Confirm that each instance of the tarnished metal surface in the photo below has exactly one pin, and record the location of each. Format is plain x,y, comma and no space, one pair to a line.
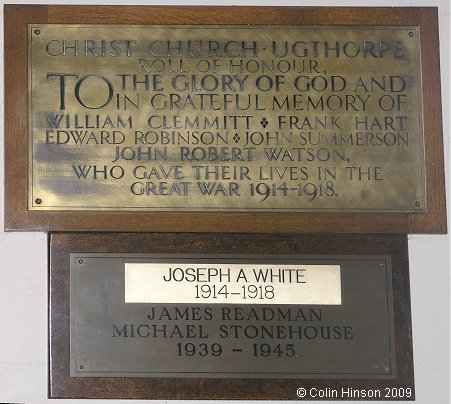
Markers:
353,339
225,118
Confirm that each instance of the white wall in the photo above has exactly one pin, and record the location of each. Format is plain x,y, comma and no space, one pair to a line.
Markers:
23,268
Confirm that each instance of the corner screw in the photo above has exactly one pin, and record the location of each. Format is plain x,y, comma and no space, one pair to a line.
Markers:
417,204
411,34
37,31
80,261
38,201
387,369
82,367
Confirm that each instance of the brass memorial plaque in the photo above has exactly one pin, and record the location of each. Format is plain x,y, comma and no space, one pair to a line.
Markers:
225,118
238,316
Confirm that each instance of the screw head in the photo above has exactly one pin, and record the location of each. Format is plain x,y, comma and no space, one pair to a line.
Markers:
38,201
37,31
410,34
417,204
80,261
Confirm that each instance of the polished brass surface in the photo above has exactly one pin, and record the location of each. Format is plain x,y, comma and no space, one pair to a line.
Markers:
225,118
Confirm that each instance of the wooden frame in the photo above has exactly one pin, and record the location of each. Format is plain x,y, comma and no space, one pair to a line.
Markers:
62,244
18,217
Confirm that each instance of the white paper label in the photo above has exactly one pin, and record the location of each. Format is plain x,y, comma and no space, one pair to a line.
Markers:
232,283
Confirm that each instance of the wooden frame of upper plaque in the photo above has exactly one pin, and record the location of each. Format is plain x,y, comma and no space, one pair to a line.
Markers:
297,195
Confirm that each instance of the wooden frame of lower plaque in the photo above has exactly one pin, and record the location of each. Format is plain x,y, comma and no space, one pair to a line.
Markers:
70,379
425,216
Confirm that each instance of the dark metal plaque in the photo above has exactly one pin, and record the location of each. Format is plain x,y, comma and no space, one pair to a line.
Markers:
350,337
225,118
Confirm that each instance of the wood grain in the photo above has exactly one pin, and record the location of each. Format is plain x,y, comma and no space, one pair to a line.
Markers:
18,217
16,116
61,244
